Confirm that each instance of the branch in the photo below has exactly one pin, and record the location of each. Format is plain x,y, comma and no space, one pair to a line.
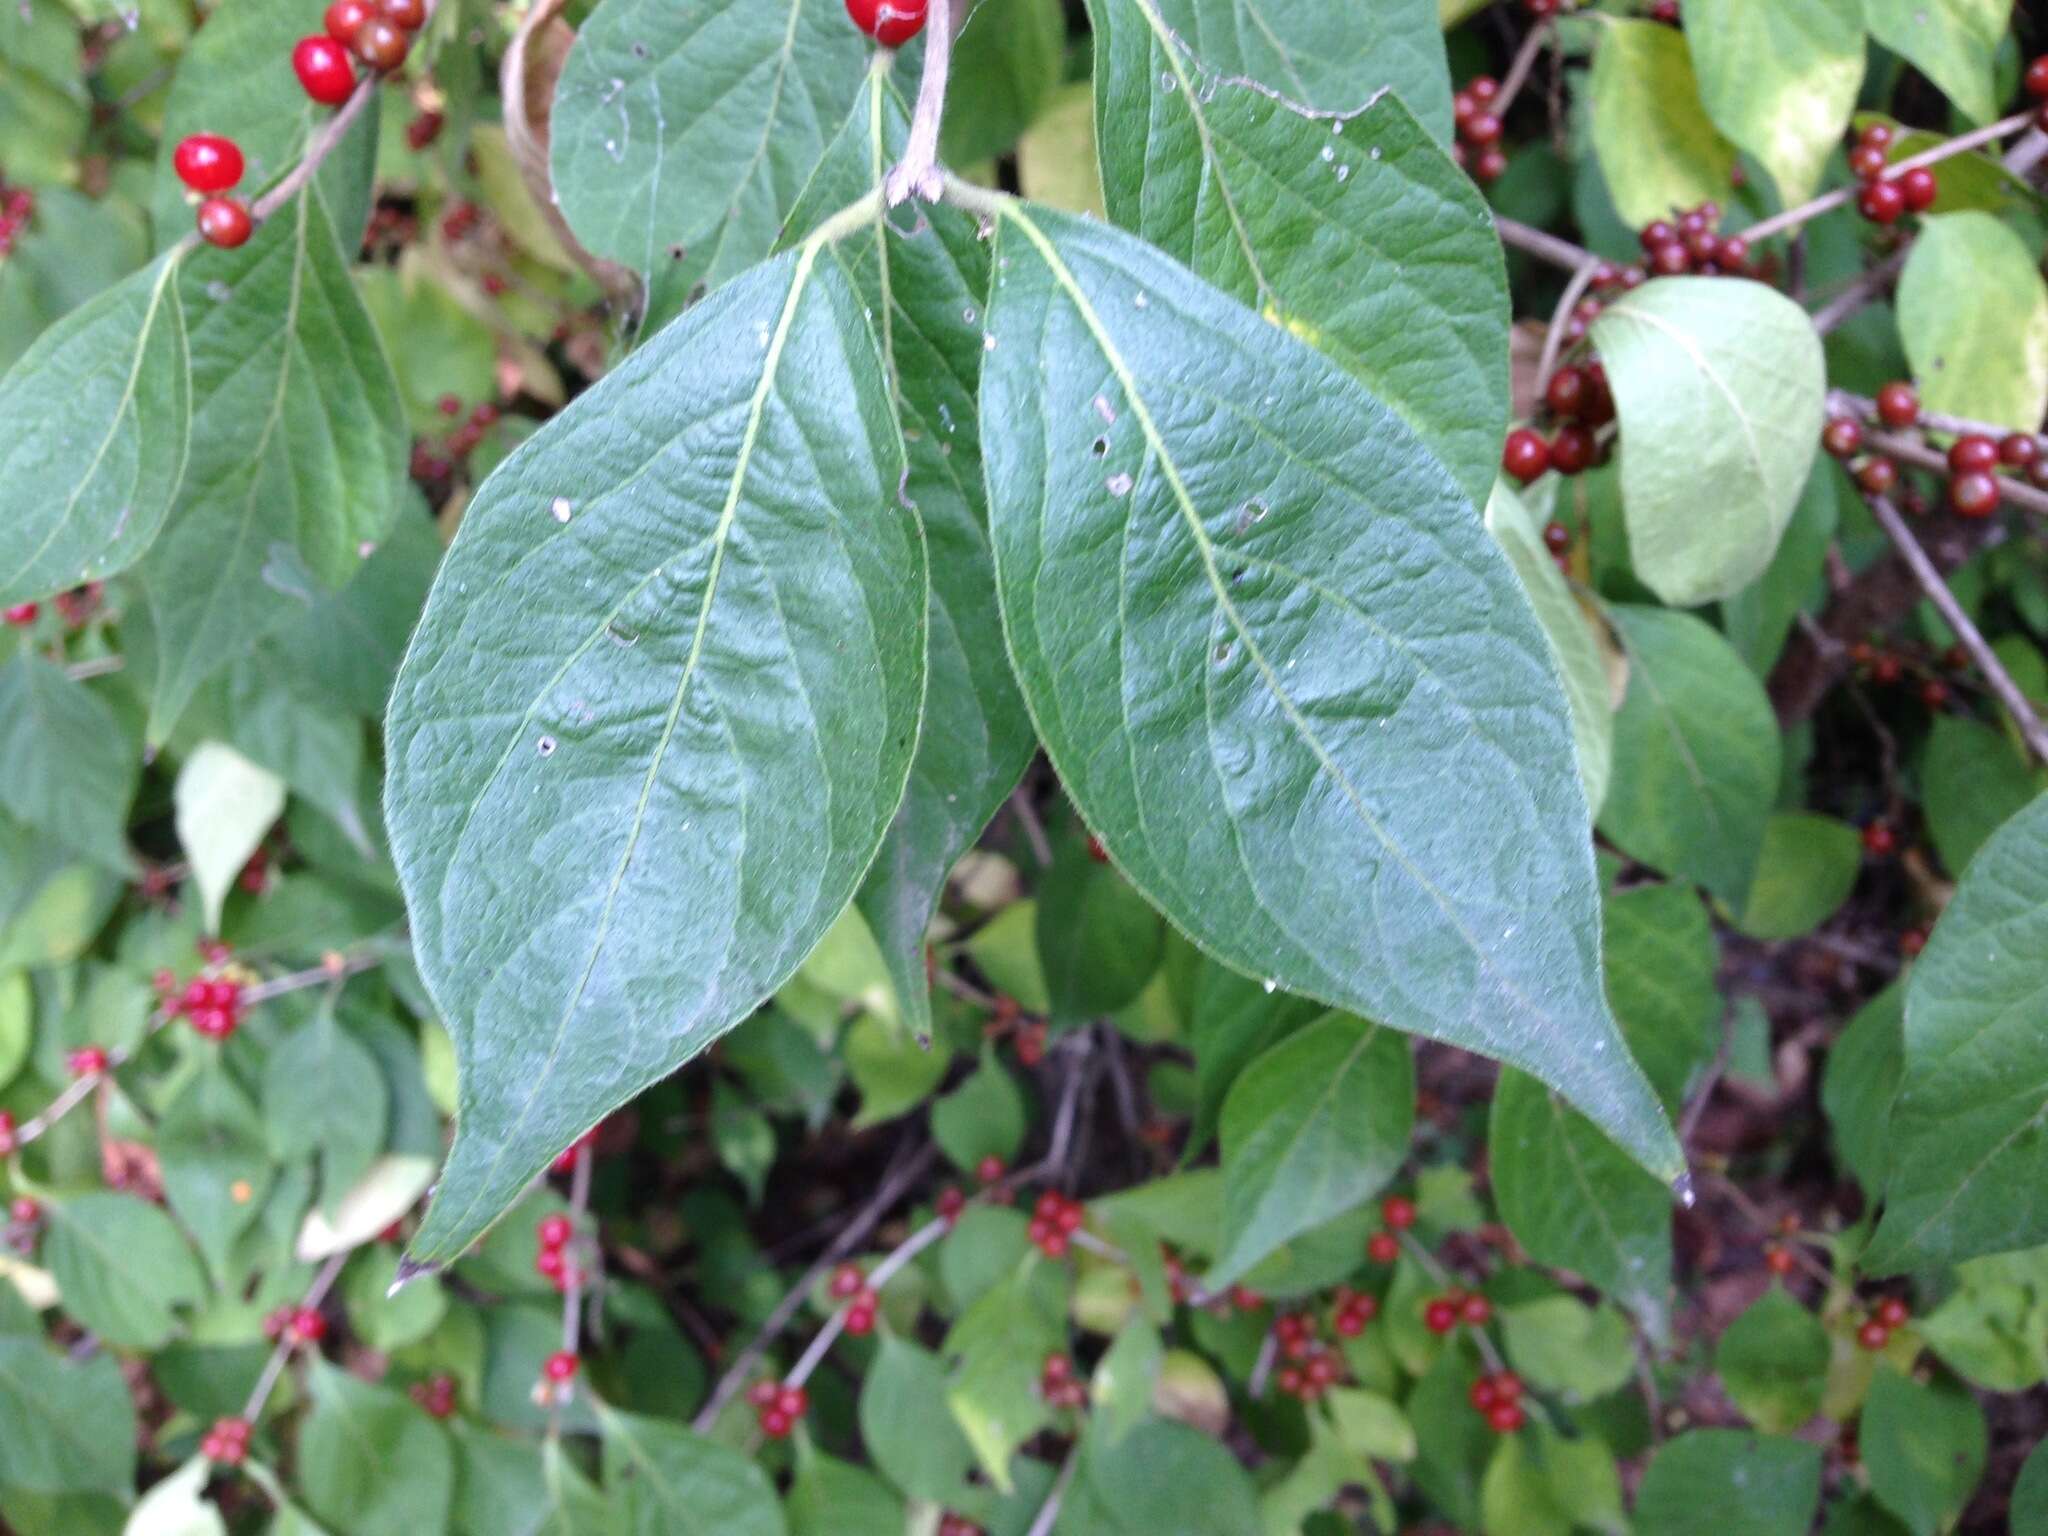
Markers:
1995,676
273,1368
1049,1511
917,174
1519,70
1839,310
1543,245
1553,339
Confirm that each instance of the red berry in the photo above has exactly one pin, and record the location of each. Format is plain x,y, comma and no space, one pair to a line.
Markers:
1881,202
776,1424
1919,187
1873,1335
1656,235
892,23
1483,89
224,222
1879,134
1525,455
1571,451
1441,1315
87,1061
1893,1312
2019,450
1972,453
382,44
1556,537
566,1160
762,1394
1912,941
306,1326
1974,495
1842,437
423,130
1054,1244
1481,1394
227,1442
1731,254
1481,128
1566,392
794,1401
1898,405
1877,476
1887,669
409,15
1491,165
550,1264
1867,161
1879,839
1383,1248
950,1203
847,1281
554,1231
989,1169
1778,1259
1671,259
560,1366
25,1211
2036,78
324,70
345,19
1505,1418
860,1317
1507,1386
1464,107
207,162
9,1139
1476,1311
20,615
1398,1212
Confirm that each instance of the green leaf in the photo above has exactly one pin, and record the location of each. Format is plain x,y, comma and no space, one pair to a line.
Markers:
1924,1447
1696,754
1232,1019
976,737
1862,1080
907,1427
720,634
894,1073
1305,645
323,1094
1561,1345
1098,940
1569,629
66,1426
1656,145
743,1139
1056,160
98,413
1774,1362
1952,42
1331,58
383,1318
67,767
225,805
834,1498
215,1160
1165,1476
1804,872
983,1117
1007,62
1986,1331
124,1270
1719,384
1973,779
1757,619
1973,315
1780,77
1313,1128
1575,1202
1354,231
681,134
1000,1344
2030,1493
1969,1134
1663,965
675,1483
1725,1482
17,1022
346,646
177,1506
298,448
370,1463
1125,1379
1541,1484
1453,1443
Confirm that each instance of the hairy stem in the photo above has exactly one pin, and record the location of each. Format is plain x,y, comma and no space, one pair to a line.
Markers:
917,174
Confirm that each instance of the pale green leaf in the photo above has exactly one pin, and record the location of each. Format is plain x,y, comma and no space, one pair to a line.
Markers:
178,1506
983,1117
1719,384
225,804
1780,77
1657,148
1773,1360
125,1272
1559,1344
1952,42
1973,315
1804,872
1333,702
623,833
1725,1482
1056,159
1121,1390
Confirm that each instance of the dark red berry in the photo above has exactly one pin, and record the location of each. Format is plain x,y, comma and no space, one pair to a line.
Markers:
1475,1311
1671,259
1972,453
2019,450
1481,128
1912,941
345,18
892,23
423,130
1556,537
860,1317
224,222
1398,1212
1778,1259
324,70
560,1366
1934,693
1879,839
207,162
1525,455
1483,89
1887,669
2036,78
1879,134
1867,161
1898,405
1571,450
382,44
20,615
776,1424
1877,476
1490,165
1873,1335
1383,1248
1566,391
1731,254
410,15
10,1139
1881,202
306,1326
989,1169
87,1061
1919,187
1893,1312
1505,1418
1656,235
1974,495
1842,437
1441,1315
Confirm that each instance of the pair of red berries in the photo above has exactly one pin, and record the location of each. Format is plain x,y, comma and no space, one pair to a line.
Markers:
1498,1398
850,1285
379,32
209,164
892,23
1527,456
551,1261
1479,130
1886,1318
1445,1312
1058,1384
436,1395
297,1326
1318,1371
227,1442
1054,1221
778,1407
1883,197
1354,1309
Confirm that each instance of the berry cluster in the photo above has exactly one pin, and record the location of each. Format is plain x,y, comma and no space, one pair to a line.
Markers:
1058,1384
436,1395
1579,400
777,1407
892,23
1498,1397
1886,1318
24,1221
551,1260
1054,1221
1692,243
210,165
379,32
298,1327
1975,459
433,463
1353,1310
1478,149
1312,1367
213,1003
1397,1211
1441,1314
227,1442
17,207
850,1285
1884,197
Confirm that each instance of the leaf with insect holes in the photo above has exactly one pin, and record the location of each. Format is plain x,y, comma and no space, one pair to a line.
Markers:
682,134
657,718
1283,670
925,292
1353,230
98,413
1968,1142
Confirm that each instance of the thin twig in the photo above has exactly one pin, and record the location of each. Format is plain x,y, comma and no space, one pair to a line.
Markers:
1049,1511
879,1276
1841,403
1696,1106
579,1208
1518,70
1543,245
1413,1247
917,174
1995,676
97,666
1034,829
1553,339
338,967
273,1368
1839,310
2012,491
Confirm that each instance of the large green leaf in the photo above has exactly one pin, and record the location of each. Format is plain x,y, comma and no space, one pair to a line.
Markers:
1657,148
66,1426
1354,231
1724,1482
123,1269
1774,1362
97,415
1283,670
1924,1446
1719,384
1779,77
369,1462
1327,57
1952,42
1969,1133
1164,1476
1575,1202
681,134
1973,314
1313,1128
631,784
675,1483
908,1429
1973,779
298,448
1861,1082
67,768
1569,628
1696,754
